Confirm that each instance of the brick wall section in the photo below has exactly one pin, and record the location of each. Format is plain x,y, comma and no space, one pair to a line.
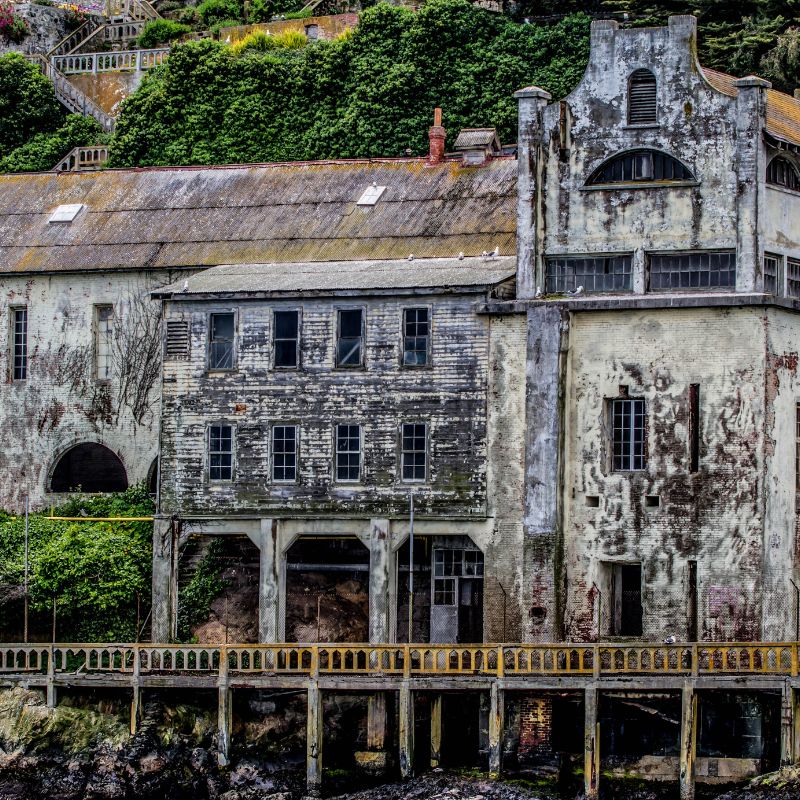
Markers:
536,726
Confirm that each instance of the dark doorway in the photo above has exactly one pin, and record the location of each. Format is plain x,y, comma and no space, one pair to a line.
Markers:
153,478
626,594
89,467
470,610
692,601
460,729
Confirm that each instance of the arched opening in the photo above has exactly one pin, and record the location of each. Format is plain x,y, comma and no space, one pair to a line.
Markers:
781,172
640,166
642,109
153,478
89,467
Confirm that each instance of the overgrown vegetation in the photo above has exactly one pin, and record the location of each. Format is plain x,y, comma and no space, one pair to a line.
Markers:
194,600
161,31
98,574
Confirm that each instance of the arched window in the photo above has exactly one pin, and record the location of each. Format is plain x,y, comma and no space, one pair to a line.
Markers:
642,98
89,467
781,172
153,477
640,166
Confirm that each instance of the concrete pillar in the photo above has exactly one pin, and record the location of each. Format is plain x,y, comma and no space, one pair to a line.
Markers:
164,611
436,730
269,583
688,744
787,724
224,712
376,721
314,740
50,691
406,724
136,708
795,699
496,716
591,744
380,569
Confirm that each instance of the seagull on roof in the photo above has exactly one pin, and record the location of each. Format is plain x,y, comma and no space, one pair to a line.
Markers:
538,294
575,292
495,252
461,256
410,257
185,286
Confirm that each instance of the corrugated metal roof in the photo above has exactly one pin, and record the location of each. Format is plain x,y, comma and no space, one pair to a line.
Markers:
783,111
290,213
447,273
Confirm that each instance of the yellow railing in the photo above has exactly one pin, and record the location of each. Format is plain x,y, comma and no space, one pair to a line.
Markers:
509,660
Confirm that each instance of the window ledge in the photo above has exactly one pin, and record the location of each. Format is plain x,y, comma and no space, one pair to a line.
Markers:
628,185
641,126
212,372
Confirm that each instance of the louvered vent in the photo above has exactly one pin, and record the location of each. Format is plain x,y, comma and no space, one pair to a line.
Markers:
642,98
177,346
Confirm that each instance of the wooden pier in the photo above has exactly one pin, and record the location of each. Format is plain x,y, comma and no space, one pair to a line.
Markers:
374,670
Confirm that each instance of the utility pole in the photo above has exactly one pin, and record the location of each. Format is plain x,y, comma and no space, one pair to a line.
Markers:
25,588
411,566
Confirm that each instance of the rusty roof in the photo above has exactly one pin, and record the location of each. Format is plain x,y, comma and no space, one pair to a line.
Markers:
783,111
408,273
175,217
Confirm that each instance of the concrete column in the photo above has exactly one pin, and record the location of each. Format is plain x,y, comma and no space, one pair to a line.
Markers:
164,612
496,716
224,712
795,699
688,744
50,691
436,730
314,740
269,582
406,714
591,744
136,708
380,563
376,721
787,724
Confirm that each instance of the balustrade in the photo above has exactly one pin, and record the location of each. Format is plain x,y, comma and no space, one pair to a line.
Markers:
126,60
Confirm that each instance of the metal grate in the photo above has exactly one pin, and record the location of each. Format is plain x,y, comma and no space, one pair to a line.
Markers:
593,273
693,271
177,340
642,98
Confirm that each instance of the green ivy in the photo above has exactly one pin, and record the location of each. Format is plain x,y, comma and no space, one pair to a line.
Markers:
194,599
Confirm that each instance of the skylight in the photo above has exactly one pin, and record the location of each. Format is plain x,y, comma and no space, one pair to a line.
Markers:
66,213
371,195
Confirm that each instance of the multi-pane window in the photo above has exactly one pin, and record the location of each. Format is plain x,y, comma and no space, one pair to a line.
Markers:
628,422
104,334
645,166
781,172
693,270
19,344
772,274
287,338
221,341
350,339
793,278
642,108
348,453
414,451
416,336
594,273
220,452
284,453
448,566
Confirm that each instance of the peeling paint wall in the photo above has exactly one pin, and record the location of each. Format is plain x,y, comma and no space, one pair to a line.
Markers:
107,89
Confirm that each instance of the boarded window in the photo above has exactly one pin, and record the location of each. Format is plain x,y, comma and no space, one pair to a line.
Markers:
287,338
628,422
177,340
416,337
350,340
284,453
220,452
593,273
642,166
793,278
693,271
221,341
89,467
414,452
348,453
772,274
19,343
642,108
781,172
104,334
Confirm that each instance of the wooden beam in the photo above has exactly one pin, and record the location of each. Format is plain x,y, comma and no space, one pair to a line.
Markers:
314,740
591,744
496,717
688,743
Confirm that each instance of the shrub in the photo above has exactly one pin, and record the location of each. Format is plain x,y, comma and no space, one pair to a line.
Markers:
186,16
161,31
215,11
13,28
217,27
261,10
260,41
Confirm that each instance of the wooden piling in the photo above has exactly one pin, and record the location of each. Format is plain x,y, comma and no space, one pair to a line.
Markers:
406,724
314,740
496,715
436,730
591,744
224,711
688,744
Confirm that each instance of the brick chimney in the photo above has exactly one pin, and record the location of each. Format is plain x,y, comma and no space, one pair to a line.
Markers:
436,135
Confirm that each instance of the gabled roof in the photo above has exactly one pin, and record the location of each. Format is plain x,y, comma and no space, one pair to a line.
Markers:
783,111
163,218
346,276
477,137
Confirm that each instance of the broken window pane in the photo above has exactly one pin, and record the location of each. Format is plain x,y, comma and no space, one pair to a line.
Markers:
20,344
628,434
772,271
416,337
287,327
221,335
349,347
594,273
714,270
220,452
348,452
284,453
414,451
104,331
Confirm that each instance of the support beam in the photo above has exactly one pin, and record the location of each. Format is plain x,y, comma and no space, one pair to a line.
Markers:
591,744
224,712
787,724
269,582
406,722
376,721
164,609
314,740
436,730
496,715
136,708
688,745
795,700
380,562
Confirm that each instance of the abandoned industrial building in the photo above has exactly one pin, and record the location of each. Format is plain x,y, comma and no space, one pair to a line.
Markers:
545,397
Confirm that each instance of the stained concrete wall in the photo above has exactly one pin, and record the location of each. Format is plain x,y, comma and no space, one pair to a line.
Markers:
62,403
107,89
